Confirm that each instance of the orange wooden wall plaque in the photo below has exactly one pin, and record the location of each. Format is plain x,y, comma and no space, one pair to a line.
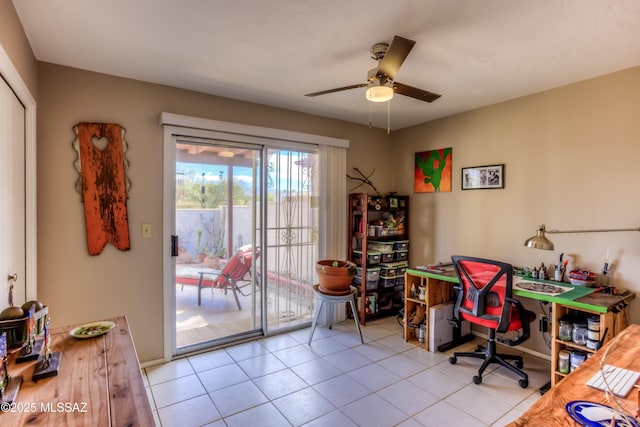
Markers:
103,184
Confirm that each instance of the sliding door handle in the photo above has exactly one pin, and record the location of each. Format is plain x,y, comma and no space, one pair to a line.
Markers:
174,246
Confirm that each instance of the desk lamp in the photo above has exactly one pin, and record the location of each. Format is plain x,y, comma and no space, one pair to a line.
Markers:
539,241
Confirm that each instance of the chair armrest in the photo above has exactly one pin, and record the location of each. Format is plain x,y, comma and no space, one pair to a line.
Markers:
524,320
456,312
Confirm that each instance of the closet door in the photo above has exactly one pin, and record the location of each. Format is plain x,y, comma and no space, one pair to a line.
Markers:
12,197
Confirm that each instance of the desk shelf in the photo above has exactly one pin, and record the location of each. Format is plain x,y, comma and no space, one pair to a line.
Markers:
438,289
611,323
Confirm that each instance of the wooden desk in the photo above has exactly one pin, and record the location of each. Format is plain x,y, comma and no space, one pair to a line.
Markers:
99,383
550,409
612,310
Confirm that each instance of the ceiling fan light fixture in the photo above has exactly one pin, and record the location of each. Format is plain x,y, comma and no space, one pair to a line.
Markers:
377,92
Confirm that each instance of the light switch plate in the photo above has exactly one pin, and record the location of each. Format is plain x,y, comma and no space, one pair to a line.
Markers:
146,231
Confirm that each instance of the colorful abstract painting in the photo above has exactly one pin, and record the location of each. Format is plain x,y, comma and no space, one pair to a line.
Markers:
433,171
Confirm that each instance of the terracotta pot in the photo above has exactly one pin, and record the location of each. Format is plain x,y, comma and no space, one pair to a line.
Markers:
335,276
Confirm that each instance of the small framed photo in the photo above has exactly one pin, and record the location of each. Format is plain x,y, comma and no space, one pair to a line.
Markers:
393,202
483,177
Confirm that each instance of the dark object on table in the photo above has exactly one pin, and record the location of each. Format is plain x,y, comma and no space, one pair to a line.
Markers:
46,369
28,353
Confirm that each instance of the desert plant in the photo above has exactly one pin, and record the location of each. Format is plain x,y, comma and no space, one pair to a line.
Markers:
199,232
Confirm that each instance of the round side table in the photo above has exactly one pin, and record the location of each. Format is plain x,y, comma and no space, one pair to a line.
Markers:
331,301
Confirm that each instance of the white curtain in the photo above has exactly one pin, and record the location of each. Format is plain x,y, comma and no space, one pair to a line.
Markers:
333,214
333,203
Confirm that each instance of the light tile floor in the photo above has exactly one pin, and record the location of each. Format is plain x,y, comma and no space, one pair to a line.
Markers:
337,381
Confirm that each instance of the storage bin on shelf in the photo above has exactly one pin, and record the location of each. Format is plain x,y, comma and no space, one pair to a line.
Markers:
400,245
383,247
381,231
401,255
387,257
371,284
373,257
372,273
403,268
387,282
388,270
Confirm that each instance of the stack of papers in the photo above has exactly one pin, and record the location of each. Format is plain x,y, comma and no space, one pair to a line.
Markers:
440,267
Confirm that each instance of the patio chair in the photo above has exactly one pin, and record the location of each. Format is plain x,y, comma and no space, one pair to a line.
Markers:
237,270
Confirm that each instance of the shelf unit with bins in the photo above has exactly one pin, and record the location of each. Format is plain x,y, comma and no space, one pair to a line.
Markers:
438,289
611,323
378,295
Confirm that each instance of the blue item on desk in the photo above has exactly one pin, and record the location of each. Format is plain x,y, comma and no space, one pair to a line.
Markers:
593,414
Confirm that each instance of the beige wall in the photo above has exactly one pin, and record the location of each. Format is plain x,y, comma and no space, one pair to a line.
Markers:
78,287
571,157
15,44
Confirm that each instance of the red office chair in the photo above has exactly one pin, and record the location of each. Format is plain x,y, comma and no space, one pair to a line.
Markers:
485,298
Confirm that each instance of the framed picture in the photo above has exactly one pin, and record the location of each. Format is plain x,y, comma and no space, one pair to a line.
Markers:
432,171
483,177
393,202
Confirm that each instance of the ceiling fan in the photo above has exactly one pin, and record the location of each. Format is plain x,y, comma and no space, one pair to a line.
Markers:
380,82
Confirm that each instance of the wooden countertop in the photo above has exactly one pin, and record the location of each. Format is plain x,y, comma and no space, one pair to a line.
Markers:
99,383
550,409
581,297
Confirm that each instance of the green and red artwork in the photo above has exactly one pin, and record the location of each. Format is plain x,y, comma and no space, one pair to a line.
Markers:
433,171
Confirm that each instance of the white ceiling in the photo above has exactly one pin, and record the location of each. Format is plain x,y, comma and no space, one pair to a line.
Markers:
473,52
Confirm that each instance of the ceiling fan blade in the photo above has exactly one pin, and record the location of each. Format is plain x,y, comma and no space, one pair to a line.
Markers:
395,56
338,89
414,92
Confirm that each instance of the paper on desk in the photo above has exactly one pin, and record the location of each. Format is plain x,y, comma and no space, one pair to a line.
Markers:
540,288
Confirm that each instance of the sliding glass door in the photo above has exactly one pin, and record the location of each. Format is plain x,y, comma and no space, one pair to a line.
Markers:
292,230
247,240
217,189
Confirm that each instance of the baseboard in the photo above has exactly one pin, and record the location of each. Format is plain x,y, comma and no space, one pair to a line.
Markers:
150,363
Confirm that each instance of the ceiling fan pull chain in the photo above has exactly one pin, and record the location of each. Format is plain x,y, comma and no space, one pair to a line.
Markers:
388,117
370,117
